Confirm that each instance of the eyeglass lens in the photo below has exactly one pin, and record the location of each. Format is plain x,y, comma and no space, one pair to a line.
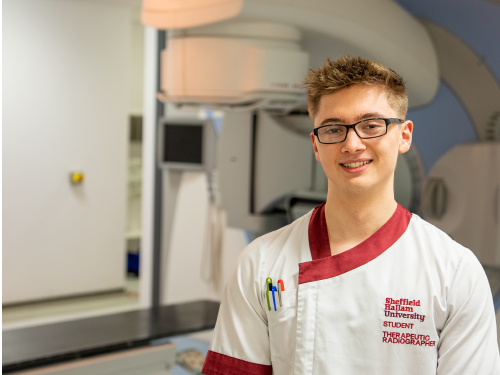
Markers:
365,129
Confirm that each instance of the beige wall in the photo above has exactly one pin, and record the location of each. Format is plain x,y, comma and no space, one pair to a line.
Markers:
65,106
136,63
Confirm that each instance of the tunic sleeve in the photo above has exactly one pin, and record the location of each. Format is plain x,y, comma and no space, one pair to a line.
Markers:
241,340
468,341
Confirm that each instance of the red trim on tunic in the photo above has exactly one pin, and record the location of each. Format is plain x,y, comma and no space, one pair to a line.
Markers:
319,243
220,364
324,265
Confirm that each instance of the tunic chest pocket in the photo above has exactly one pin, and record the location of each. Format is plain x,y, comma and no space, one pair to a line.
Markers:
283,327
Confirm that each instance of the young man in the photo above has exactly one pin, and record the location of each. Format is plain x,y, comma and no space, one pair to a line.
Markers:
368,287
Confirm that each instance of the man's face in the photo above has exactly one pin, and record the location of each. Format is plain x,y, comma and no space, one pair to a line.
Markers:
349,106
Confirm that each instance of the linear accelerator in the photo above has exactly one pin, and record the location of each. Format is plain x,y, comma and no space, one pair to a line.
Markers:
248,57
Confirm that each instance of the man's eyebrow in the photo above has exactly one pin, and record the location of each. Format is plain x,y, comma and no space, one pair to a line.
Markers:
337,120
331,120
370,115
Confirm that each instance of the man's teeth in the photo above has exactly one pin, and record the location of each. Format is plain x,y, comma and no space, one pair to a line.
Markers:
356,165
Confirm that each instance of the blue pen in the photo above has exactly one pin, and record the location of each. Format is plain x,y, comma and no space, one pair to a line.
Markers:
274,300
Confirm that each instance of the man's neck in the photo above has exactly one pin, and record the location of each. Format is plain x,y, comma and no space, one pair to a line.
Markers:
351,218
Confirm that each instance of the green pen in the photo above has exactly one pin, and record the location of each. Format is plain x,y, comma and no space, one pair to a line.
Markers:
269,281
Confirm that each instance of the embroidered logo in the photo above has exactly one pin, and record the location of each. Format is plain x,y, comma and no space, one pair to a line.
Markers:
394,306
405,309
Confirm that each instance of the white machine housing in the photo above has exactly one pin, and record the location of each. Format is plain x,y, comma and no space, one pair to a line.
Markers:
244,52
461,197
238,64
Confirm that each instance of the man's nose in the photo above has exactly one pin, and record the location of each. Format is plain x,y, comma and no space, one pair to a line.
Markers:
353,143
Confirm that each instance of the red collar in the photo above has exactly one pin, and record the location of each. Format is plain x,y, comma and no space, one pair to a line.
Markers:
324,265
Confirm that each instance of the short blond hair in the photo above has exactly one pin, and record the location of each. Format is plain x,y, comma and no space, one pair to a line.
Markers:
348,71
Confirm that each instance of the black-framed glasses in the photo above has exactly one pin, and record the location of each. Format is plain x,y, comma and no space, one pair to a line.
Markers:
366,129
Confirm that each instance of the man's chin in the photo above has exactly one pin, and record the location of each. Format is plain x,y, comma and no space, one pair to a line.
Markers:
357,185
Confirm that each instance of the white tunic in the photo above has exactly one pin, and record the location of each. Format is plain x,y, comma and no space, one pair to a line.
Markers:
408,300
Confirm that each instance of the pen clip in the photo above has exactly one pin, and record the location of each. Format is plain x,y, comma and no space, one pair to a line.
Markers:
269,285
282,285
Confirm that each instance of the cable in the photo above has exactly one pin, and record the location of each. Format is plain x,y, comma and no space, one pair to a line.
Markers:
212,253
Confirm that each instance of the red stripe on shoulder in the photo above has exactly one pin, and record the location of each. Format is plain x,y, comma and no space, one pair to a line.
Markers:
220,364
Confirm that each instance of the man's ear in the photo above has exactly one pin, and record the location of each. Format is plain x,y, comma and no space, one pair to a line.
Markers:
406,137
315,146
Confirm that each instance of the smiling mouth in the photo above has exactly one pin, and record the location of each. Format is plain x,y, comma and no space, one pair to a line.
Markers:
356,165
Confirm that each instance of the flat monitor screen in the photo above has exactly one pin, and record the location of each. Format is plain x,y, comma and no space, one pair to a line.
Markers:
183,144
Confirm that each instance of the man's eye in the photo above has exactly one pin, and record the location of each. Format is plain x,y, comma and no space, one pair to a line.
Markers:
371,126
333,130
375,123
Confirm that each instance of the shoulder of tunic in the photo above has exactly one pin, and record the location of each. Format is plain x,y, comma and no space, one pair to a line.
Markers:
440,249
289,242
297,227
434,238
